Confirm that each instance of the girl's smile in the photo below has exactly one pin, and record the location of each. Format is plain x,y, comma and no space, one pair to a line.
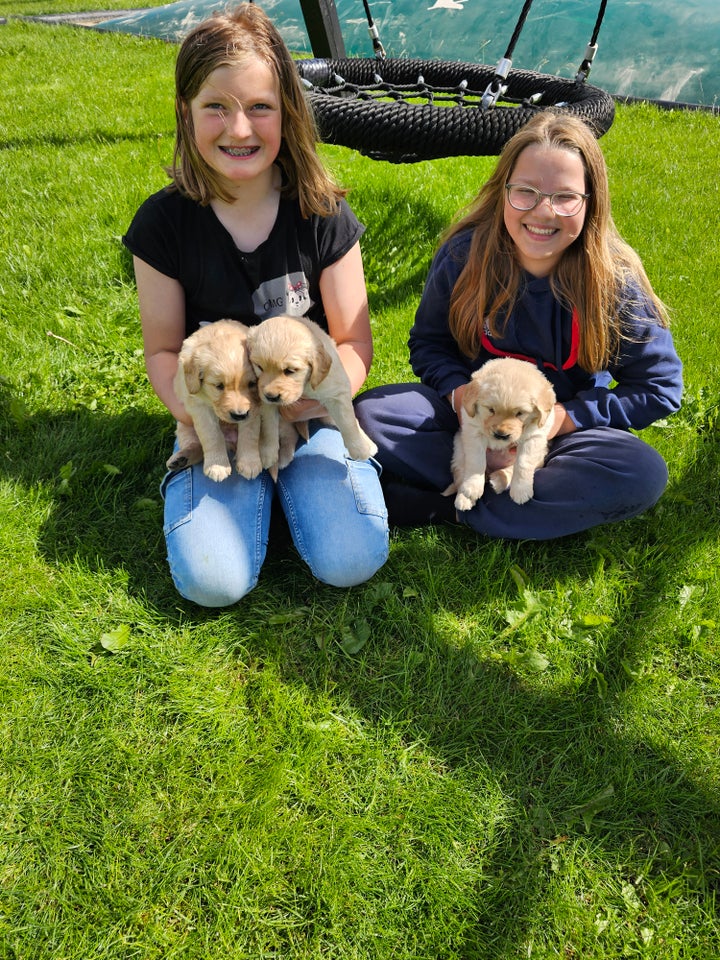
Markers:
237,121
540,235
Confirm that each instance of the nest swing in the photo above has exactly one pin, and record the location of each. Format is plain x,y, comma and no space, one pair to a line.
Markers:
405,110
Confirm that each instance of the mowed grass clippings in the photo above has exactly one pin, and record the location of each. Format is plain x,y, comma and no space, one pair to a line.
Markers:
492,750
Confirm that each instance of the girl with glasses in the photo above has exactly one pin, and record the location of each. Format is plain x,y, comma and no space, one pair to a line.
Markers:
535,269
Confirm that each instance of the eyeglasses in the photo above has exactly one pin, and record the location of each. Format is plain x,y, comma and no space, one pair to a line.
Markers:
564,204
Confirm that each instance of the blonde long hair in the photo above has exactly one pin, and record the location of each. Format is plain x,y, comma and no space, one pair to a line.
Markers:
232,38
590,274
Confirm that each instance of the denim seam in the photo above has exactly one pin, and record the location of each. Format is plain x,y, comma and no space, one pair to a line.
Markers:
292,521
258,527
185,476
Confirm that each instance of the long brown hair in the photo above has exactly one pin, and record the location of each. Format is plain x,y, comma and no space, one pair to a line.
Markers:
591,271
232,38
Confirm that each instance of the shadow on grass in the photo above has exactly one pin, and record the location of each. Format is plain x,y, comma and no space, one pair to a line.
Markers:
554,753
100,474
97,136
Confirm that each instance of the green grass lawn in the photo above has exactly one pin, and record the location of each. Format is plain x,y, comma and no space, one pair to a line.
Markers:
491,751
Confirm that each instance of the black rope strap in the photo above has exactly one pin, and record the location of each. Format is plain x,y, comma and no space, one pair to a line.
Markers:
497,87
373,31
518,29
592,47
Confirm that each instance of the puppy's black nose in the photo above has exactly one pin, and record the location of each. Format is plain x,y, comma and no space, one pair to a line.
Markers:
272,397
501,436
237,416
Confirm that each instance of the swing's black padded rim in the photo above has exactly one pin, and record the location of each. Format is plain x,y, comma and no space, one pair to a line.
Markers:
403,132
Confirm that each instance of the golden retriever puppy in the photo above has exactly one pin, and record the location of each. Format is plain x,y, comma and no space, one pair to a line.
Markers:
293,357
217,385
507,406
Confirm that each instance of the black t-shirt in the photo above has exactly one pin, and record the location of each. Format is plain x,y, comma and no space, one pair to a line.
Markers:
186,241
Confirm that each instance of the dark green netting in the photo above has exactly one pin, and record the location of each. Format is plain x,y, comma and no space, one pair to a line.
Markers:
659,50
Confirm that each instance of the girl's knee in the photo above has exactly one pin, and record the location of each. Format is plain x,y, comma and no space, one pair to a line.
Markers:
335,511
348,574
643,475
215,538
212,574
652,472
346,564
213,590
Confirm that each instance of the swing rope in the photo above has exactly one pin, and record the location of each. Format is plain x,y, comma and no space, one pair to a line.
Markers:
374,34
497,86
592,47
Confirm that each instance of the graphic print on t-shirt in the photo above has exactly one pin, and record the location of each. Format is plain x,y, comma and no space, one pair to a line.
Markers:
288,294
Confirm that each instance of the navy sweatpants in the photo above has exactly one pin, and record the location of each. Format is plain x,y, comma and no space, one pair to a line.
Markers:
590,477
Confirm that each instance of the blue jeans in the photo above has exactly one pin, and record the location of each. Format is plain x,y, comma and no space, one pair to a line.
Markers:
590,477
217,533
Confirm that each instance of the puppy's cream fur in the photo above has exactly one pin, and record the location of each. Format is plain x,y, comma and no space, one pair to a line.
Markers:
508,404
293,357
217,385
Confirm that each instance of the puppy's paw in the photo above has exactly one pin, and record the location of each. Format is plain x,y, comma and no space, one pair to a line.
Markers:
186,456
463,503
289,433
178,461
268,455
362,449
217,471
521,492
249,467
285,458
469,493
500,479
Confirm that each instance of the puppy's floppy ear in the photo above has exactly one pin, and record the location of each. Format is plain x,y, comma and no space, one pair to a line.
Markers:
320,363
544,403
471,397
192,370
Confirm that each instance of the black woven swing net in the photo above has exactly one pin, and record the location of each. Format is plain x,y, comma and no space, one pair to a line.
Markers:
408,110
405,110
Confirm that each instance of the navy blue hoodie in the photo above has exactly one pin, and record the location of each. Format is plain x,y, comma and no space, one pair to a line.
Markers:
641,386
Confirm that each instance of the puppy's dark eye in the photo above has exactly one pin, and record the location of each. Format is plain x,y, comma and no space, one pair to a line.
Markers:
491,410
288,371
252,384
220,387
